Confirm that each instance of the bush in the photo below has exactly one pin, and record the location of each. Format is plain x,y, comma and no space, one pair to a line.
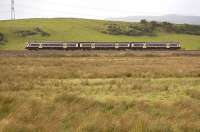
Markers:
131,30
43,33
2,38
168,27
188,29
36,31
143,21
145,28
25,33
114,29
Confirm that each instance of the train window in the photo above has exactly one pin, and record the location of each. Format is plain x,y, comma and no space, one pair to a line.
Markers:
174,45
123,45
34,44
86,45
156,45
57,45
52,44
72,45
138,45
104,44
45,44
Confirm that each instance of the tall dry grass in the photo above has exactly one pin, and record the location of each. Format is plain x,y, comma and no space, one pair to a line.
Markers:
139,94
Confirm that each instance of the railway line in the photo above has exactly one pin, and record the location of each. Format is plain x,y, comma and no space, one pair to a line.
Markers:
89,49
100,53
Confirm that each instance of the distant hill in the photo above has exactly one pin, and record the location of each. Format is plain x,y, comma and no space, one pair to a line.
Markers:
178,19
17,33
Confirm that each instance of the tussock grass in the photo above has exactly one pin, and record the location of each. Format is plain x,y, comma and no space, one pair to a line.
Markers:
193,93
140,94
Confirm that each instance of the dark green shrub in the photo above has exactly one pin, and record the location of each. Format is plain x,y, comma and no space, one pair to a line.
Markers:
145,28
36,31
2,38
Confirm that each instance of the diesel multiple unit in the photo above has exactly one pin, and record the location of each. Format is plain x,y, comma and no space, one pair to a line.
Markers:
50,45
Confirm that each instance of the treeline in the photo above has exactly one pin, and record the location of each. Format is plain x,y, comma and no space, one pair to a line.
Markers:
145,28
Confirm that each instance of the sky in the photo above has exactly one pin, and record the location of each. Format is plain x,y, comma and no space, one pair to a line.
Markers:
98,9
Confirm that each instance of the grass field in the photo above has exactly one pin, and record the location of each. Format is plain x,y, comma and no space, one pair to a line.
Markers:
79,30
101,94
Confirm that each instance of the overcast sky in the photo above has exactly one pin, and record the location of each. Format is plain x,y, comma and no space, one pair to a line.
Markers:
98,9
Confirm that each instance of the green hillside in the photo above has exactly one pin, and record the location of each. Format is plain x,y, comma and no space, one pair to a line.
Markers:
77,30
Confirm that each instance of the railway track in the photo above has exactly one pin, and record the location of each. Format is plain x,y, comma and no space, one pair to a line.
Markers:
90,53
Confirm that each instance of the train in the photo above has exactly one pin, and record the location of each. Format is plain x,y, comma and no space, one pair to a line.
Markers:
53,45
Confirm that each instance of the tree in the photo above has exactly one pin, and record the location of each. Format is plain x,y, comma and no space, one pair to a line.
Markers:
134,31
1,37
154,24
169,27
143,21
42,32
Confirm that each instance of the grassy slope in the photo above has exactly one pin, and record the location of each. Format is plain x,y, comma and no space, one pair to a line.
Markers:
78,30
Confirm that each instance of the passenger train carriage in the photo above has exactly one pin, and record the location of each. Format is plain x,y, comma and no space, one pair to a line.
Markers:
50,45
